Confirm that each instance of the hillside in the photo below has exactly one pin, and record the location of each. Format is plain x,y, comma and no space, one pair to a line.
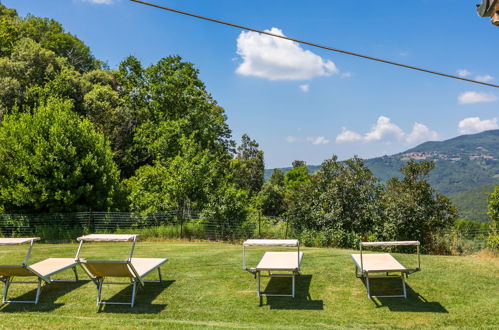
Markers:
461,163
472,203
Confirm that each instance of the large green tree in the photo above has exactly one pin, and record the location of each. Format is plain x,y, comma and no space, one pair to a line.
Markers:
54,161
413,209
248,168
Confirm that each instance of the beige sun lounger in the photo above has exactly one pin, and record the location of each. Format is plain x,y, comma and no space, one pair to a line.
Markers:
42,270
133,268
275,264
373,265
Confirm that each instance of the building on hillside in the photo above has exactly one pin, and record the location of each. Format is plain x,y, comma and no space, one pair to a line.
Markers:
489,8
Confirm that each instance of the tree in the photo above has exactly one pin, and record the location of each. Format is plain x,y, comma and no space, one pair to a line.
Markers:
226,211
277,178
413,209
183,182
165,102
54,161
248,168
347,197
493,207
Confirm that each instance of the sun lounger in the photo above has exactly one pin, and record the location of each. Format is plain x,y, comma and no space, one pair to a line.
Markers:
384,265
133,268
42,270
275,264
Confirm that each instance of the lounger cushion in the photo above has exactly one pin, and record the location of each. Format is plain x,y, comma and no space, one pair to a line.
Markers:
144,266
378,262
280,261
51,266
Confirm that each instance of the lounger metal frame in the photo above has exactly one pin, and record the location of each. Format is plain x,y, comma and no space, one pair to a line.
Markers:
136,279
8,280
258,273
376,274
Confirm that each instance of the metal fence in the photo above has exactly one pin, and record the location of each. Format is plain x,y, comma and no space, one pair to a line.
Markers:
60,227
169,224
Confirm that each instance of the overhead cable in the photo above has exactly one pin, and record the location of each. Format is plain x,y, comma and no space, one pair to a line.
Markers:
315,45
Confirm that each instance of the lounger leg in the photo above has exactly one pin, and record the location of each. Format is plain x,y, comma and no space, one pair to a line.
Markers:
99,289
6,290
38,291
133,292
403,285
368,288
258,284
76,274
293,287
159,274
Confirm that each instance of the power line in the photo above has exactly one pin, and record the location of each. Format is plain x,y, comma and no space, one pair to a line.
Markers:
315,45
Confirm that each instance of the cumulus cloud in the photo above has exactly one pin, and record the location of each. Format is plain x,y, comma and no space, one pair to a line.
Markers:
383,129
386,131
278,59
346,75
463,73
473,125
317,140
475,97
421,133
484,78
348,136
304,88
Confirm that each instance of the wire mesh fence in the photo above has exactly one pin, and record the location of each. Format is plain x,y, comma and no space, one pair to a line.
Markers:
175,224
169,224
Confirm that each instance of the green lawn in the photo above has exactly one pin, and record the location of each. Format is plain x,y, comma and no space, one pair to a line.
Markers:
205,287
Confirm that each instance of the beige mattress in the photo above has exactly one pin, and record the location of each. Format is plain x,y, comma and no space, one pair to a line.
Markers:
51,266
271,242
378,262
280,261
13,241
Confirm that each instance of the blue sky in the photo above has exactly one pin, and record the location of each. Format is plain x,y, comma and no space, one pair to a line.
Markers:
304,103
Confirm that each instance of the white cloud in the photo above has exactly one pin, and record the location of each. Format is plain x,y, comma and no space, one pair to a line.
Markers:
383,129
99,2
292,139
421,133
304,88
278,59
475,97
317,140
346,75
347,136
463,73
473,125
484,78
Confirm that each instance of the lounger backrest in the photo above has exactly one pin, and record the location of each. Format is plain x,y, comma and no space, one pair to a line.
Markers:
108,268
12,270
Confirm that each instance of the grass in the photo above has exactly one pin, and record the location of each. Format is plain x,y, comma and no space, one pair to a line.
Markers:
205,287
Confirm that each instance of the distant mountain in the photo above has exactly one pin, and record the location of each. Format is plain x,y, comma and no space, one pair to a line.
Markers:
461,163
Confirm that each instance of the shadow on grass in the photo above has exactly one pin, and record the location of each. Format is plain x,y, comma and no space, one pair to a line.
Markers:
48,296
143,299
413,303
302,299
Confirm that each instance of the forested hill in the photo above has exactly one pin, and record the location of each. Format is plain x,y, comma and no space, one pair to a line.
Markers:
462,163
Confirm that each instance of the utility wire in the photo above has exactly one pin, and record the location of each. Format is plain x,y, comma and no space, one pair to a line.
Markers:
315,45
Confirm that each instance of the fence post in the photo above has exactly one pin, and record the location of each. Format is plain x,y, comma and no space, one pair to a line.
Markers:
287,225
259,224
91,224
